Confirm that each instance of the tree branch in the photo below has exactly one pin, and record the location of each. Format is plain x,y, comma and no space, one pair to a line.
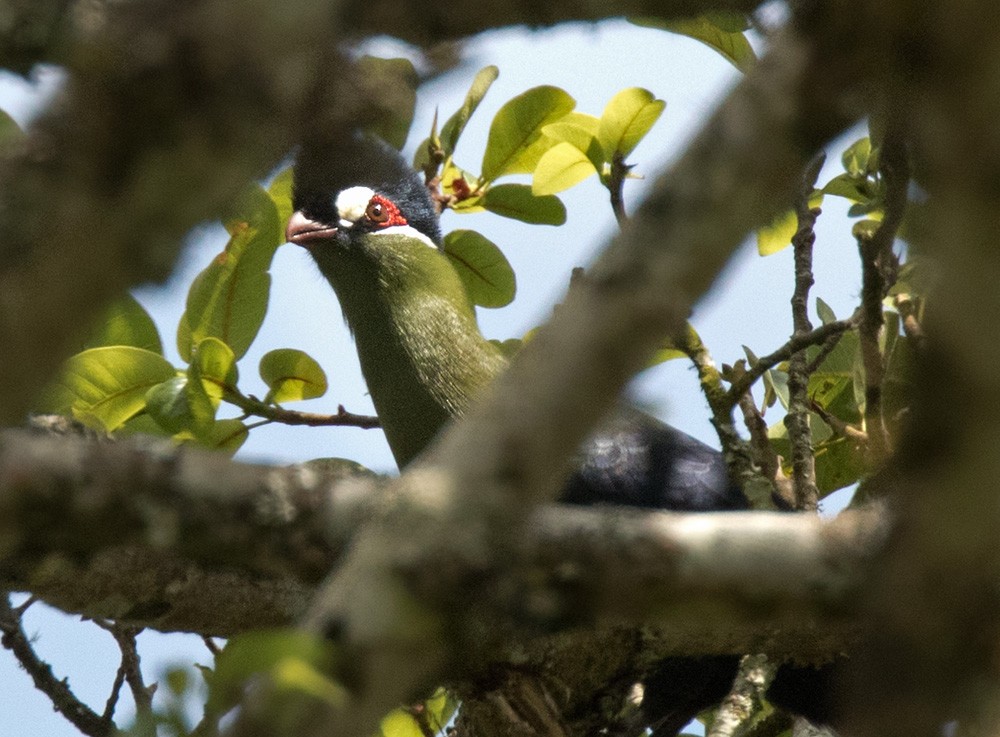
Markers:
63,700
797,419
226,553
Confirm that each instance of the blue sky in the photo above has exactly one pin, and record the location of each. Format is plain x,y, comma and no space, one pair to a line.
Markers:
749,305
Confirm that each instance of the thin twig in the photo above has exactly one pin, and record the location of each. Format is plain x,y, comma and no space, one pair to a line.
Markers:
879,269
253,406
829,333
797,419
130,666
63,700
764,456
735,450
839,427
212,647
616,186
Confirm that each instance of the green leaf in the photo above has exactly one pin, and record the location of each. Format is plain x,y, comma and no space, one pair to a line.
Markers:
143,423
855,157
777,235
662,355
825,312
228,299
831,386
291,375
865,228
392,84
517,201
125,322
485,271
626,120
266,652
214,364
580,130
437,711
515,140
561,167
454,126
181,405
853,188
718,31
225,435
104,387
281,193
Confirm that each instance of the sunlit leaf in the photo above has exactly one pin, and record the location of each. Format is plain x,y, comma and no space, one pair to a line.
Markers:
126,322
515,142
292,375
853,188
435,713
228,299
855,157
517,201
400,723
777,235
485,271
104,387
180,405
580,130
463,187
722,32
626,120
214,364
454,126
561,167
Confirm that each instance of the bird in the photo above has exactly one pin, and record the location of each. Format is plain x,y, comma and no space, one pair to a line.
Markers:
369,223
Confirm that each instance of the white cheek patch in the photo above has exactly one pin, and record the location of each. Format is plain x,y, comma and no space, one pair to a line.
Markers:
351,204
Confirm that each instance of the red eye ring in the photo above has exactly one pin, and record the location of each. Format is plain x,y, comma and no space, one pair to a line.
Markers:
382,212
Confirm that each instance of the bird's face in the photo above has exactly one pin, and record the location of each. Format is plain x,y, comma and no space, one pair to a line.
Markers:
357,212
344,199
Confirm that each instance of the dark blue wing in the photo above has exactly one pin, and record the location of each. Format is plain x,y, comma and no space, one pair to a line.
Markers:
638,461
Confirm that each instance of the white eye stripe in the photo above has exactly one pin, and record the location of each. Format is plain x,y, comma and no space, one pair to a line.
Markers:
409,231
351,204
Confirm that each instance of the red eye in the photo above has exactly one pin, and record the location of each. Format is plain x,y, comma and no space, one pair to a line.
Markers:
383,212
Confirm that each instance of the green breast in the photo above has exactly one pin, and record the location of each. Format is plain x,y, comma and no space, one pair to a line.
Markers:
421,351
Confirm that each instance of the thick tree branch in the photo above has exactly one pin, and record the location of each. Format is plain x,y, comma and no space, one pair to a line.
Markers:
442,21
196,550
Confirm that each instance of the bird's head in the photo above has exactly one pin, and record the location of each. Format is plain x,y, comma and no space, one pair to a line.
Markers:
345,197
